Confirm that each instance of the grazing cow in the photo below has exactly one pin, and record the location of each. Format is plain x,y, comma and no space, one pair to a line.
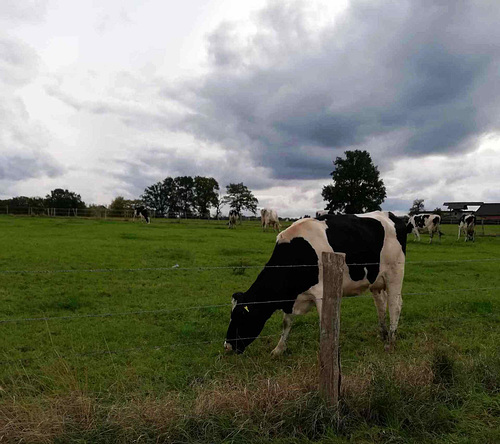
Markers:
143,212
269,218
424,222
467,225
292,279
233,218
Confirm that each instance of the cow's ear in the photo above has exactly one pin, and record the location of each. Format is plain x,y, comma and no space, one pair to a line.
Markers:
237,296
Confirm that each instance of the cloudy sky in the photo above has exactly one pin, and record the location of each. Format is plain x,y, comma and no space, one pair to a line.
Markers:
106,97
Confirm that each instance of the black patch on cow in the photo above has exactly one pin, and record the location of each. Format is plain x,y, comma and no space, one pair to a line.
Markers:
361,239
436,220
470,219
292,269
400,227
419,221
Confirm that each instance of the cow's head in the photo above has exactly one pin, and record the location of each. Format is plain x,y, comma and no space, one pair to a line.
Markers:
247,321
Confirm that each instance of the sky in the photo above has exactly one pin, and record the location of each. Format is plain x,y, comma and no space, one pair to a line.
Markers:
107,97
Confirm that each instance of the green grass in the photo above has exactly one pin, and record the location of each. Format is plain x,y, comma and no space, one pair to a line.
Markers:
163,376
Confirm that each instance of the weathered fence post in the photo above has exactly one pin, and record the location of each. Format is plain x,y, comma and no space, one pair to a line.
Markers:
329,352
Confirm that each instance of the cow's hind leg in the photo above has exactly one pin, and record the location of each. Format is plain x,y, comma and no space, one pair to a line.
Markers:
380,299
287,326
395,302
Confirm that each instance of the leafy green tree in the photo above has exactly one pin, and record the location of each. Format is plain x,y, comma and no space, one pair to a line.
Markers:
185,194
60,198
240,198
357,187
205,195
218,203
24,201
417,207
155,197
119,203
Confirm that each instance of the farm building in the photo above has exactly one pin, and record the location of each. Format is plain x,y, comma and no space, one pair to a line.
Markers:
489,212
456,209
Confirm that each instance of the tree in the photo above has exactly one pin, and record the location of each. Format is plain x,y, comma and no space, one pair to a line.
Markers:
205,194
23,201
119,203
218,203
60,198
357,187
417,207
185,194
155,197
239,198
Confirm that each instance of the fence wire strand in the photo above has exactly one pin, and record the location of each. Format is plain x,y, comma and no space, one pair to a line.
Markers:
176,267
128,350
201,307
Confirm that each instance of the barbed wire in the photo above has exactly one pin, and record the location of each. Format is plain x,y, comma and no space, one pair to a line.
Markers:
143,348
232,267
129,349
201,307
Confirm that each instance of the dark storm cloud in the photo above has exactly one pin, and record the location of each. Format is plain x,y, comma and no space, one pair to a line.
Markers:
294,98
27,165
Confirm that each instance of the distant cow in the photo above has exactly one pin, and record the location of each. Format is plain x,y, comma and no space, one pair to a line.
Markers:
269,218
424,222
143,212
467,226
233,218
375,247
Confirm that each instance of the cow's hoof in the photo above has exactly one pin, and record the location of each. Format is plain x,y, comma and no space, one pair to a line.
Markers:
277,352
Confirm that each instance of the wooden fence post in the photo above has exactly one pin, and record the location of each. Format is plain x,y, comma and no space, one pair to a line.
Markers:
329,353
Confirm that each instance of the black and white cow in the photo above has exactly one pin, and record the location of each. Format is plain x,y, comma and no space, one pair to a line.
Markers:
233,218
376,241
424,222
143,212
467,226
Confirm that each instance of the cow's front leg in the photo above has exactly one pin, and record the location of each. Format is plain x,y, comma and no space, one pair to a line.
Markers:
416,234
287,326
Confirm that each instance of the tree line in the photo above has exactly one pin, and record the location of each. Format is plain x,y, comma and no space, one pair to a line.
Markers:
179,196
57,198
356,188
195,197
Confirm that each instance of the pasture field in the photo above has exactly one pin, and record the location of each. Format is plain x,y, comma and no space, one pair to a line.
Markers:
98,346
